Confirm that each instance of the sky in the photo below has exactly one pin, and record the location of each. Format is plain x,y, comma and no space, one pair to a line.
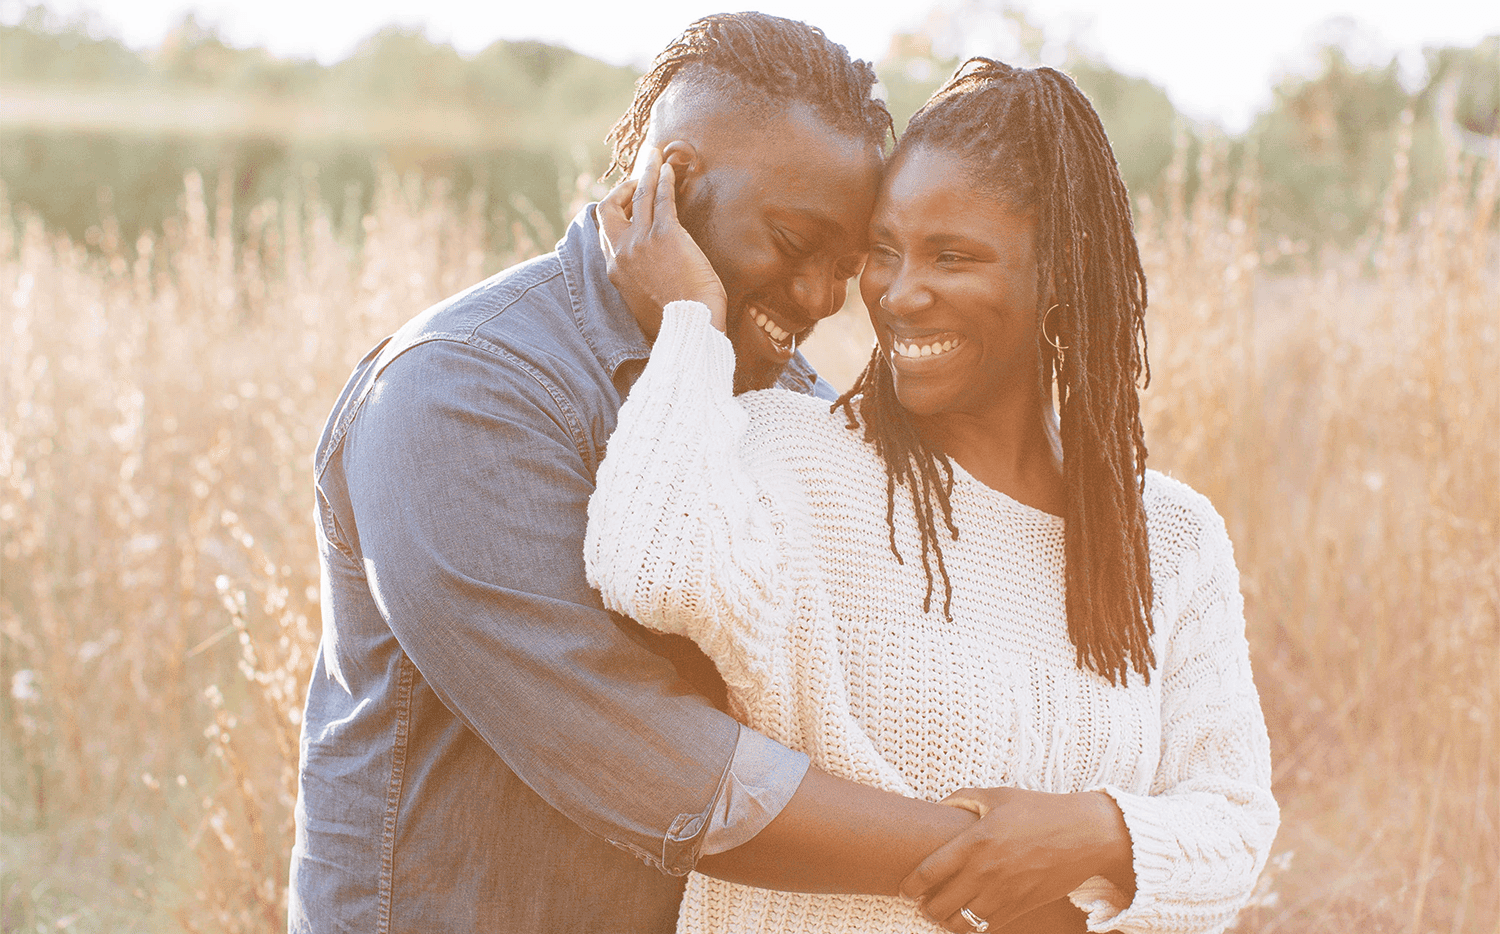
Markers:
1217,60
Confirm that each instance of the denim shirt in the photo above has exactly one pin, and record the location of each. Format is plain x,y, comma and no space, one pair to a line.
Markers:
485,748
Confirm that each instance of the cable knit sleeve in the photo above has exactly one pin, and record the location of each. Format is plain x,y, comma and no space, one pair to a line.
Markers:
683,535
1202,835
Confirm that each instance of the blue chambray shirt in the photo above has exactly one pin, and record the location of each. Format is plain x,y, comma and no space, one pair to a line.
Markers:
485,748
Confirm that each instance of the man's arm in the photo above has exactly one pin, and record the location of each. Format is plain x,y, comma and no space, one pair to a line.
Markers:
470,511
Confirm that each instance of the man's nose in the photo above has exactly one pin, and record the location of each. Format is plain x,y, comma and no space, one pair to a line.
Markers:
818,291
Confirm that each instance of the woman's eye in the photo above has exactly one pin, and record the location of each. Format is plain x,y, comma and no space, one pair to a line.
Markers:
948,257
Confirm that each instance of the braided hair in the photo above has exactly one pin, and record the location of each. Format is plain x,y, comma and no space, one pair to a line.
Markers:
768,62
1031,136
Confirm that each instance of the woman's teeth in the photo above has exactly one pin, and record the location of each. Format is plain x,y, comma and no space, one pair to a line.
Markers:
777,333
911,349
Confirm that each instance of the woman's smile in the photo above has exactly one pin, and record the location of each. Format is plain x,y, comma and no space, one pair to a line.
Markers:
923,349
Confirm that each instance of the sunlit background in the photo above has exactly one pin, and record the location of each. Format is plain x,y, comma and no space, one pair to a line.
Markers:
209,213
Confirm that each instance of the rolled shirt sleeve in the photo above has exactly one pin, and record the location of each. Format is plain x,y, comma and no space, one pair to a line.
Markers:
755,789
468,479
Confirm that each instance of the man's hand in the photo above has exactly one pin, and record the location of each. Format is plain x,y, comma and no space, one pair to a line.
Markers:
651,259
1028,849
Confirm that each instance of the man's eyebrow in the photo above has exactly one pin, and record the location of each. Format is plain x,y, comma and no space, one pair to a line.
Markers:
827,226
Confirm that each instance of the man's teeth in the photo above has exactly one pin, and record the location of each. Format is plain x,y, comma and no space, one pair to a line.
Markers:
910,349
777,332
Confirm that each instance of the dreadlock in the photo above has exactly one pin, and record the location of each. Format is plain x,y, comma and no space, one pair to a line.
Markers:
908,462
769,62
1032,136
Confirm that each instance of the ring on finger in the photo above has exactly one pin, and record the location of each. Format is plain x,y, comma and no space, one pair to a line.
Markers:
979,924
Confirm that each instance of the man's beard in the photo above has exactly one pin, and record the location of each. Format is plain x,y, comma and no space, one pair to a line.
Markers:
751,371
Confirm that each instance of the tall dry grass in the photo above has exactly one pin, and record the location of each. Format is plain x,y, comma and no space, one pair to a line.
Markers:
158,601
1346,421
159,613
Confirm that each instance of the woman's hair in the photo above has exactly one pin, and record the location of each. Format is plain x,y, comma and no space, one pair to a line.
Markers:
1031,137
768,63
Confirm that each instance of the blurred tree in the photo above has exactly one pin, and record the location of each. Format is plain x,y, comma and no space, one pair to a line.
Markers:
521,119
40,48
524,119
400,65
910,72
1475,75
1325,146
1137,115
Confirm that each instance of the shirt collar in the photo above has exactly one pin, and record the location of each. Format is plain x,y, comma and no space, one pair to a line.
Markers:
604,318
600,311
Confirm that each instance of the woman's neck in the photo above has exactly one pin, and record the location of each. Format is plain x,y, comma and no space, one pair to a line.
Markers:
1016,449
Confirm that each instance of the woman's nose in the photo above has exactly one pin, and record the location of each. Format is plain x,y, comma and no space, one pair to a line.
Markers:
904,294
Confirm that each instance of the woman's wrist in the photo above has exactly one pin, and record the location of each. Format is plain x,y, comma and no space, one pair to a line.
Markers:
1113,854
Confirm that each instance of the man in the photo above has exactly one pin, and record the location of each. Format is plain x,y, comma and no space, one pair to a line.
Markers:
485,748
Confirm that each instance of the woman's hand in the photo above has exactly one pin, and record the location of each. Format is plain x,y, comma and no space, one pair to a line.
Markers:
652,260
1028,849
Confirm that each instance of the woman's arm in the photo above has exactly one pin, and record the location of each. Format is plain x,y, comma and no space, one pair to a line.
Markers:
1202,835
682,536
1194,846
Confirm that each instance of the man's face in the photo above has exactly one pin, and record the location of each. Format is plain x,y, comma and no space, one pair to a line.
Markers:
782,213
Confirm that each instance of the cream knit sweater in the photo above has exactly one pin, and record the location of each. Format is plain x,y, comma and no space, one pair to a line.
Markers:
757,526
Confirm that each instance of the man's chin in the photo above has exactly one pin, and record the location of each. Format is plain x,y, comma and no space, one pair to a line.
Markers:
758,362
754,373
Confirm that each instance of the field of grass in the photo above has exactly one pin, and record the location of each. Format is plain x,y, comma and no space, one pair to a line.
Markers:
158,592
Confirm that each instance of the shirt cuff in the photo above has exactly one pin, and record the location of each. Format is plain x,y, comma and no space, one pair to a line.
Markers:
762,777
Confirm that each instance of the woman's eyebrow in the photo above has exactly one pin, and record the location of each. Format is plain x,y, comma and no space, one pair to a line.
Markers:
935,239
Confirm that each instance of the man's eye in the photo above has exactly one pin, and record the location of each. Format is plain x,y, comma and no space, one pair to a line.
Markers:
792,245
948,256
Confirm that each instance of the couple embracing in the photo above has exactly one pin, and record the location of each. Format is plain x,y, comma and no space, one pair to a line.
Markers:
938,653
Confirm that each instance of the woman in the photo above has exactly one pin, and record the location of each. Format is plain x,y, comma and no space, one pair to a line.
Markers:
939,585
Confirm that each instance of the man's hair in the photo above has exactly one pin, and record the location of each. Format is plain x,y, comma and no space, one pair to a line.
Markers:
768,63
1031,137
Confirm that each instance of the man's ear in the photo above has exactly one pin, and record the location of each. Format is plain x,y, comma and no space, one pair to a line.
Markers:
686,163
683,157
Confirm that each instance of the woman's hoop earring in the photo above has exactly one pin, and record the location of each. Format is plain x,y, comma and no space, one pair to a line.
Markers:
1058,347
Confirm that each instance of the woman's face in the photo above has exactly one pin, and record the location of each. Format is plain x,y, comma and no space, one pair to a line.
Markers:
950,285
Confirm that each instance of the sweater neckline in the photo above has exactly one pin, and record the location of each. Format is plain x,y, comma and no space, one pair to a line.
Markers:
1003,499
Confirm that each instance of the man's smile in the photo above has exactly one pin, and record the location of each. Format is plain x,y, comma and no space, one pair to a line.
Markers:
781,334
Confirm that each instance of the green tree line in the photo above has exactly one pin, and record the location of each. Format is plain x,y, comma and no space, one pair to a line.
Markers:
520,122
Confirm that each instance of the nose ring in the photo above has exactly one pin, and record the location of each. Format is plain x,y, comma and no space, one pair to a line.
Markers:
883,304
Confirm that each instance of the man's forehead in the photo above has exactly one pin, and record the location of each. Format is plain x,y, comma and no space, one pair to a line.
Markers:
830,207
796,141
